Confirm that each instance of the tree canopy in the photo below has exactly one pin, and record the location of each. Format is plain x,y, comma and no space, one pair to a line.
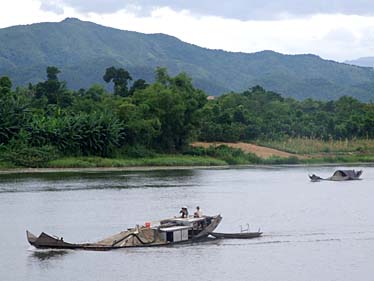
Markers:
120,78
260,114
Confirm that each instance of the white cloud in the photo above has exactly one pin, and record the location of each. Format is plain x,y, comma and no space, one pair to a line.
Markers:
237,9
17,12
52,6
338,37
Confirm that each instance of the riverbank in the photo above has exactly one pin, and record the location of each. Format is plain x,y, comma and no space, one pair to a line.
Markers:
303,150
115,163
166,168
202,155
97,164
102,169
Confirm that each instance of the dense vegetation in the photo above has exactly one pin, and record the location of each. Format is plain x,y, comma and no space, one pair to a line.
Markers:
81,50
260,114
45,121
47,117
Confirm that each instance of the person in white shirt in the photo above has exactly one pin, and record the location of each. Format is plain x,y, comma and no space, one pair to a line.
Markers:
198,213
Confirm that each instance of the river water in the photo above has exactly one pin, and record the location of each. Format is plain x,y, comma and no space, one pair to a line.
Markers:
312,231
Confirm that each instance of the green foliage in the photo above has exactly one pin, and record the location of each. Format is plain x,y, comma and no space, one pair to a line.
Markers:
14,115
33,157
163,117
316,146
139,84
159,160
228,154
94,122
5,86
52,89
120,78
169,109
81,134
259,114
52,72
136,151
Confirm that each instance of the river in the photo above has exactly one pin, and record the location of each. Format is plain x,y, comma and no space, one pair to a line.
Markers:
312,231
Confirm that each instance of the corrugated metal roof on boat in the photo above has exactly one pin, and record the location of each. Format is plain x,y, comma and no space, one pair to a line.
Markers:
174,228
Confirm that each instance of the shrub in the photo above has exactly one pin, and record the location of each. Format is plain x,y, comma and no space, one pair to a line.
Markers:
33,157
228,154
137,151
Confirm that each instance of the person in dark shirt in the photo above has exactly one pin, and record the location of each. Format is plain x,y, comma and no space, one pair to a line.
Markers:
184,212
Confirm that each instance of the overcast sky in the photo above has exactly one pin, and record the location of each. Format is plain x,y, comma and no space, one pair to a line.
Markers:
332,29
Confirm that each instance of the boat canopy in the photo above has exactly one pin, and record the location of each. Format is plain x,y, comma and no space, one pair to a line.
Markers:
345,173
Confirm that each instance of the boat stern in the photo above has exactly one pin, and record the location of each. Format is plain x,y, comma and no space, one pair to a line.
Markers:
31,237
215,221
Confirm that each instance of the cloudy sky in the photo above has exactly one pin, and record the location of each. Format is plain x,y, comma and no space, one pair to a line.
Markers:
334,29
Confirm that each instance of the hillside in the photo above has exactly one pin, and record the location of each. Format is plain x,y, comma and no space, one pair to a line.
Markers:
82,51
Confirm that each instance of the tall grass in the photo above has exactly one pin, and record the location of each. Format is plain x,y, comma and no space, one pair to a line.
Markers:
314,146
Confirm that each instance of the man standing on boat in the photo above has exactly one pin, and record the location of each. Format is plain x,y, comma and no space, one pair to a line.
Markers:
198,213
184,212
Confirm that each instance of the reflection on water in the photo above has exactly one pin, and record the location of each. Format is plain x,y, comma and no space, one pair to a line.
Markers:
81,181
43,255
327,226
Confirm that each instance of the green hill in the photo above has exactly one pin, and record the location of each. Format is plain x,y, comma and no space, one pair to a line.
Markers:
82,51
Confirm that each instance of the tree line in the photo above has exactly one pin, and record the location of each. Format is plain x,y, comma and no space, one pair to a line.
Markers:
260,114
163,116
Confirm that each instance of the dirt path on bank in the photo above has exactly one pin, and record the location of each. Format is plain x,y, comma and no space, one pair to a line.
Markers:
261,151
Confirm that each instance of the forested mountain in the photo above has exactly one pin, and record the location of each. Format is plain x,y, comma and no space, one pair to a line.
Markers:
82,50
364,62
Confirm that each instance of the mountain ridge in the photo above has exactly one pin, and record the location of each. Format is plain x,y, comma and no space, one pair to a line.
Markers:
82,50
363,62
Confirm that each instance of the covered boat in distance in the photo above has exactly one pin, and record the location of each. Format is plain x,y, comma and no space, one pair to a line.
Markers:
164,232
339,175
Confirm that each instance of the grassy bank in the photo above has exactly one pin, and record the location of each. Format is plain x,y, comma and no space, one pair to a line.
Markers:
351,152
162,160
340,159
303,151
317,151
316,146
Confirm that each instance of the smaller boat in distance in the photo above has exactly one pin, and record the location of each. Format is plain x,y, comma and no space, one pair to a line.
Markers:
339,175
239,235
243,234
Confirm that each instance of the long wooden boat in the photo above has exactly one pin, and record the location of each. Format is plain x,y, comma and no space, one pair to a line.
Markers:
240,235
165,232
